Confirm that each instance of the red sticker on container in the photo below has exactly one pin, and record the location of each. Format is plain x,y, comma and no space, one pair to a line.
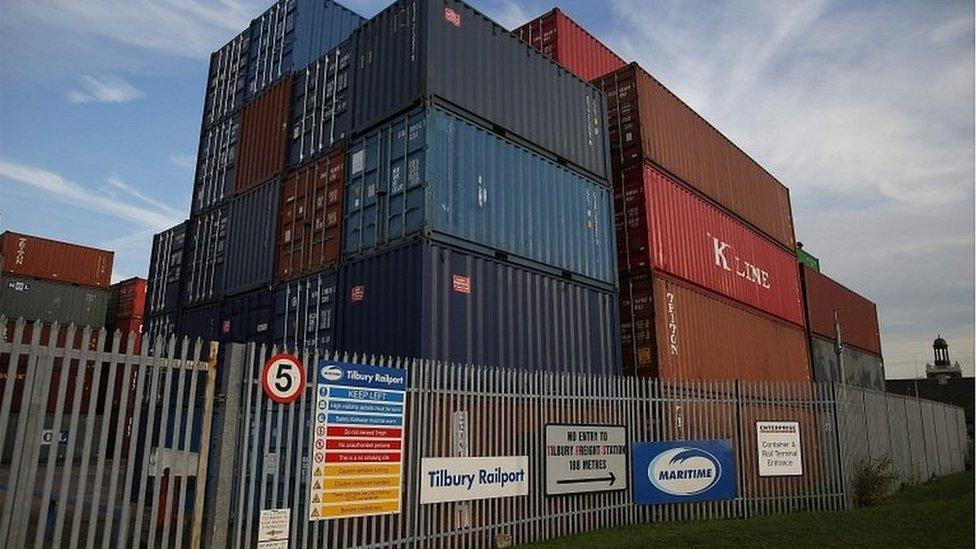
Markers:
357,293
452,17
461,284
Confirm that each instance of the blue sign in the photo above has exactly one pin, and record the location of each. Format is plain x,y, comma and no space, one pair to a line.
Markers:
682,471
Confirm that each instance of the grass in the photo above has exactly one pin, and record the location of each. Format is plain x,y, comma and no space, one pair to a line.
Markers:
935,514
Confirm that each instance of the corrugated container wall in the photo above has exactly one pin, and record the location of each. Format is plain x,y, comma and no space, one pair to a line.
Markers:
36,257
216,164
166,270
305,312
264,130
431,301
127,301
699,336
291,34
247,318
321,111
35,299
648,122
666,227
203,258
249,261
565,41
310,220
443,48
435,173
860,369
226,79
858,316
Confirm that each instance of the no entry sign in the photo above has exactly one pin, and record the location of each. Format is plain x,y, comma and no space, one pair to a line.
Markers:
283,378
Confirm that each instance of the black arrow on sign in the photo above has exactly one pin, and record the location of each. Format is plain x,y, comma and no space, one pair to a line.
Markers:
611,478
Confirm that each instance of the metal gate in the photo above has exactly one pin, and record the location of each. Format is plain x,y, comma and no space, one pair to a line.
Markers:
102,444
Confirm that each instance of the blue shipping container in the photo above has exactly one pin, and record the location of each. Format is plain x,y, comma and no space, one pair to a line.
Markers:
251,242
427,300
247,318
305,312
293,33
321,112
435,173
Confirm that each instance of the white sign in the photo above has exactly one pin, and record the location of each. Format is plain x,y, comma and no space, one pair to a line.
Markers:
468,478
780,452
585,458
283,378
273,528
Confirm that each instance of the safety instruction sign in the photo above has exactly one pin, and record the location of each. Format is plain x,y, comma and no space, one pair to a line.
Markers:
585,458
357,457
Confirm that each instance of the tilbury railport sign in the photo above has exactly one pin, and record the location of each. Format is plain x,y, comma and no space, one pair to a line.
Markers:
585,458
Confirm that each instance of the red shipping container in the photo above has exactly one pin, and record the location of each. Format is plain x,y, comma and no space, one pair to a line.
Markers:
566,42
310,220
263,140
649,123
126,302
857,315
668,228
681,332
37,257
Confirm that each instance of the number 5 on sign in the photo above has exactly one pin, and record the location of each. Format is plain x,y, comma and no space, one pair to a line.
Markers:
283,378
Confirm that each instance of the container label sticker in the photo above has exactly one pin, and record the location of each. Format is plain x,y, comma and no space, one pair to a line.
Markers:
452,17
461,284
357,293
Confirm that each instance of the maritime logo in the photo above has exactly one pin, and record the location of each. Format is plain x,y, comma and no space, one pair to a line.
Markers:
684,471
332,373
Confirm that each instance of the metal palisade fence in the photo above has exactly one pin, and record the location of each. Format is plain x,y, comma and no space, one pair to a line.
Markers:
507,411
170,446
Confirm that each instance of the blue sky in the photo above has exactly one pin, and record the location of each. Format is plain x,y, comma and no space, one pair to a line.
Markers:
864,109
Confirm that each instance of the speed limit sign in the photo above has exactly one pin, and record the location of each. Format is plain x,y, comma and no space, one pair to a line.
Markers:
283,378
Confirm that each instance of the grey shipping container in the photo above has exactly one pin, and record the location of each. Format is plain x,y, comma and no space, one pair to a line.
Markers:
216,164
446,49
433,172
249,261
203,257
165,270
293,33
427,300
321,112
35,299
305,312
226,79
860,368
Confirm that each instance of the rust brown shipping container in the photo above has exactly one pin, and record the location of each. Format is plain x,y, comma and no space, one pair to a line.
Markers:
857,315
647,121
699,335
263,141
37,257
310,220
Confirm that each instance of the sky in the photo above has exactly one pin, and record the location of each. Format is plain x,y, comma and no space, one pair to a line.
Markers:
865,110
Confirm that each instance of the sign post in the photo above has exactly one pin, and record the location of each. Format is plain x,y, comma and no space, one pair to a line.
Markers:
357,458
780,451
283,378
585,458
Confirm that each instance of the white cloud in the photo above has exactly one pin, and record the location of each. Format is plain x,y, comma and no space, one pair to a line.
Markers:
866,113
103,89
183,160
152,218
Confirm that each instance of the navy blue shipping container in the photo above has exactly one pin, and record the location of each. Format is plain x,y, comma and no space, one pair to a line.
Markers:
426,300
435,173
203,322
226,79
321,113
165,270
249,261
446,49
247,318
203,257
305,312
216,164
291,34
